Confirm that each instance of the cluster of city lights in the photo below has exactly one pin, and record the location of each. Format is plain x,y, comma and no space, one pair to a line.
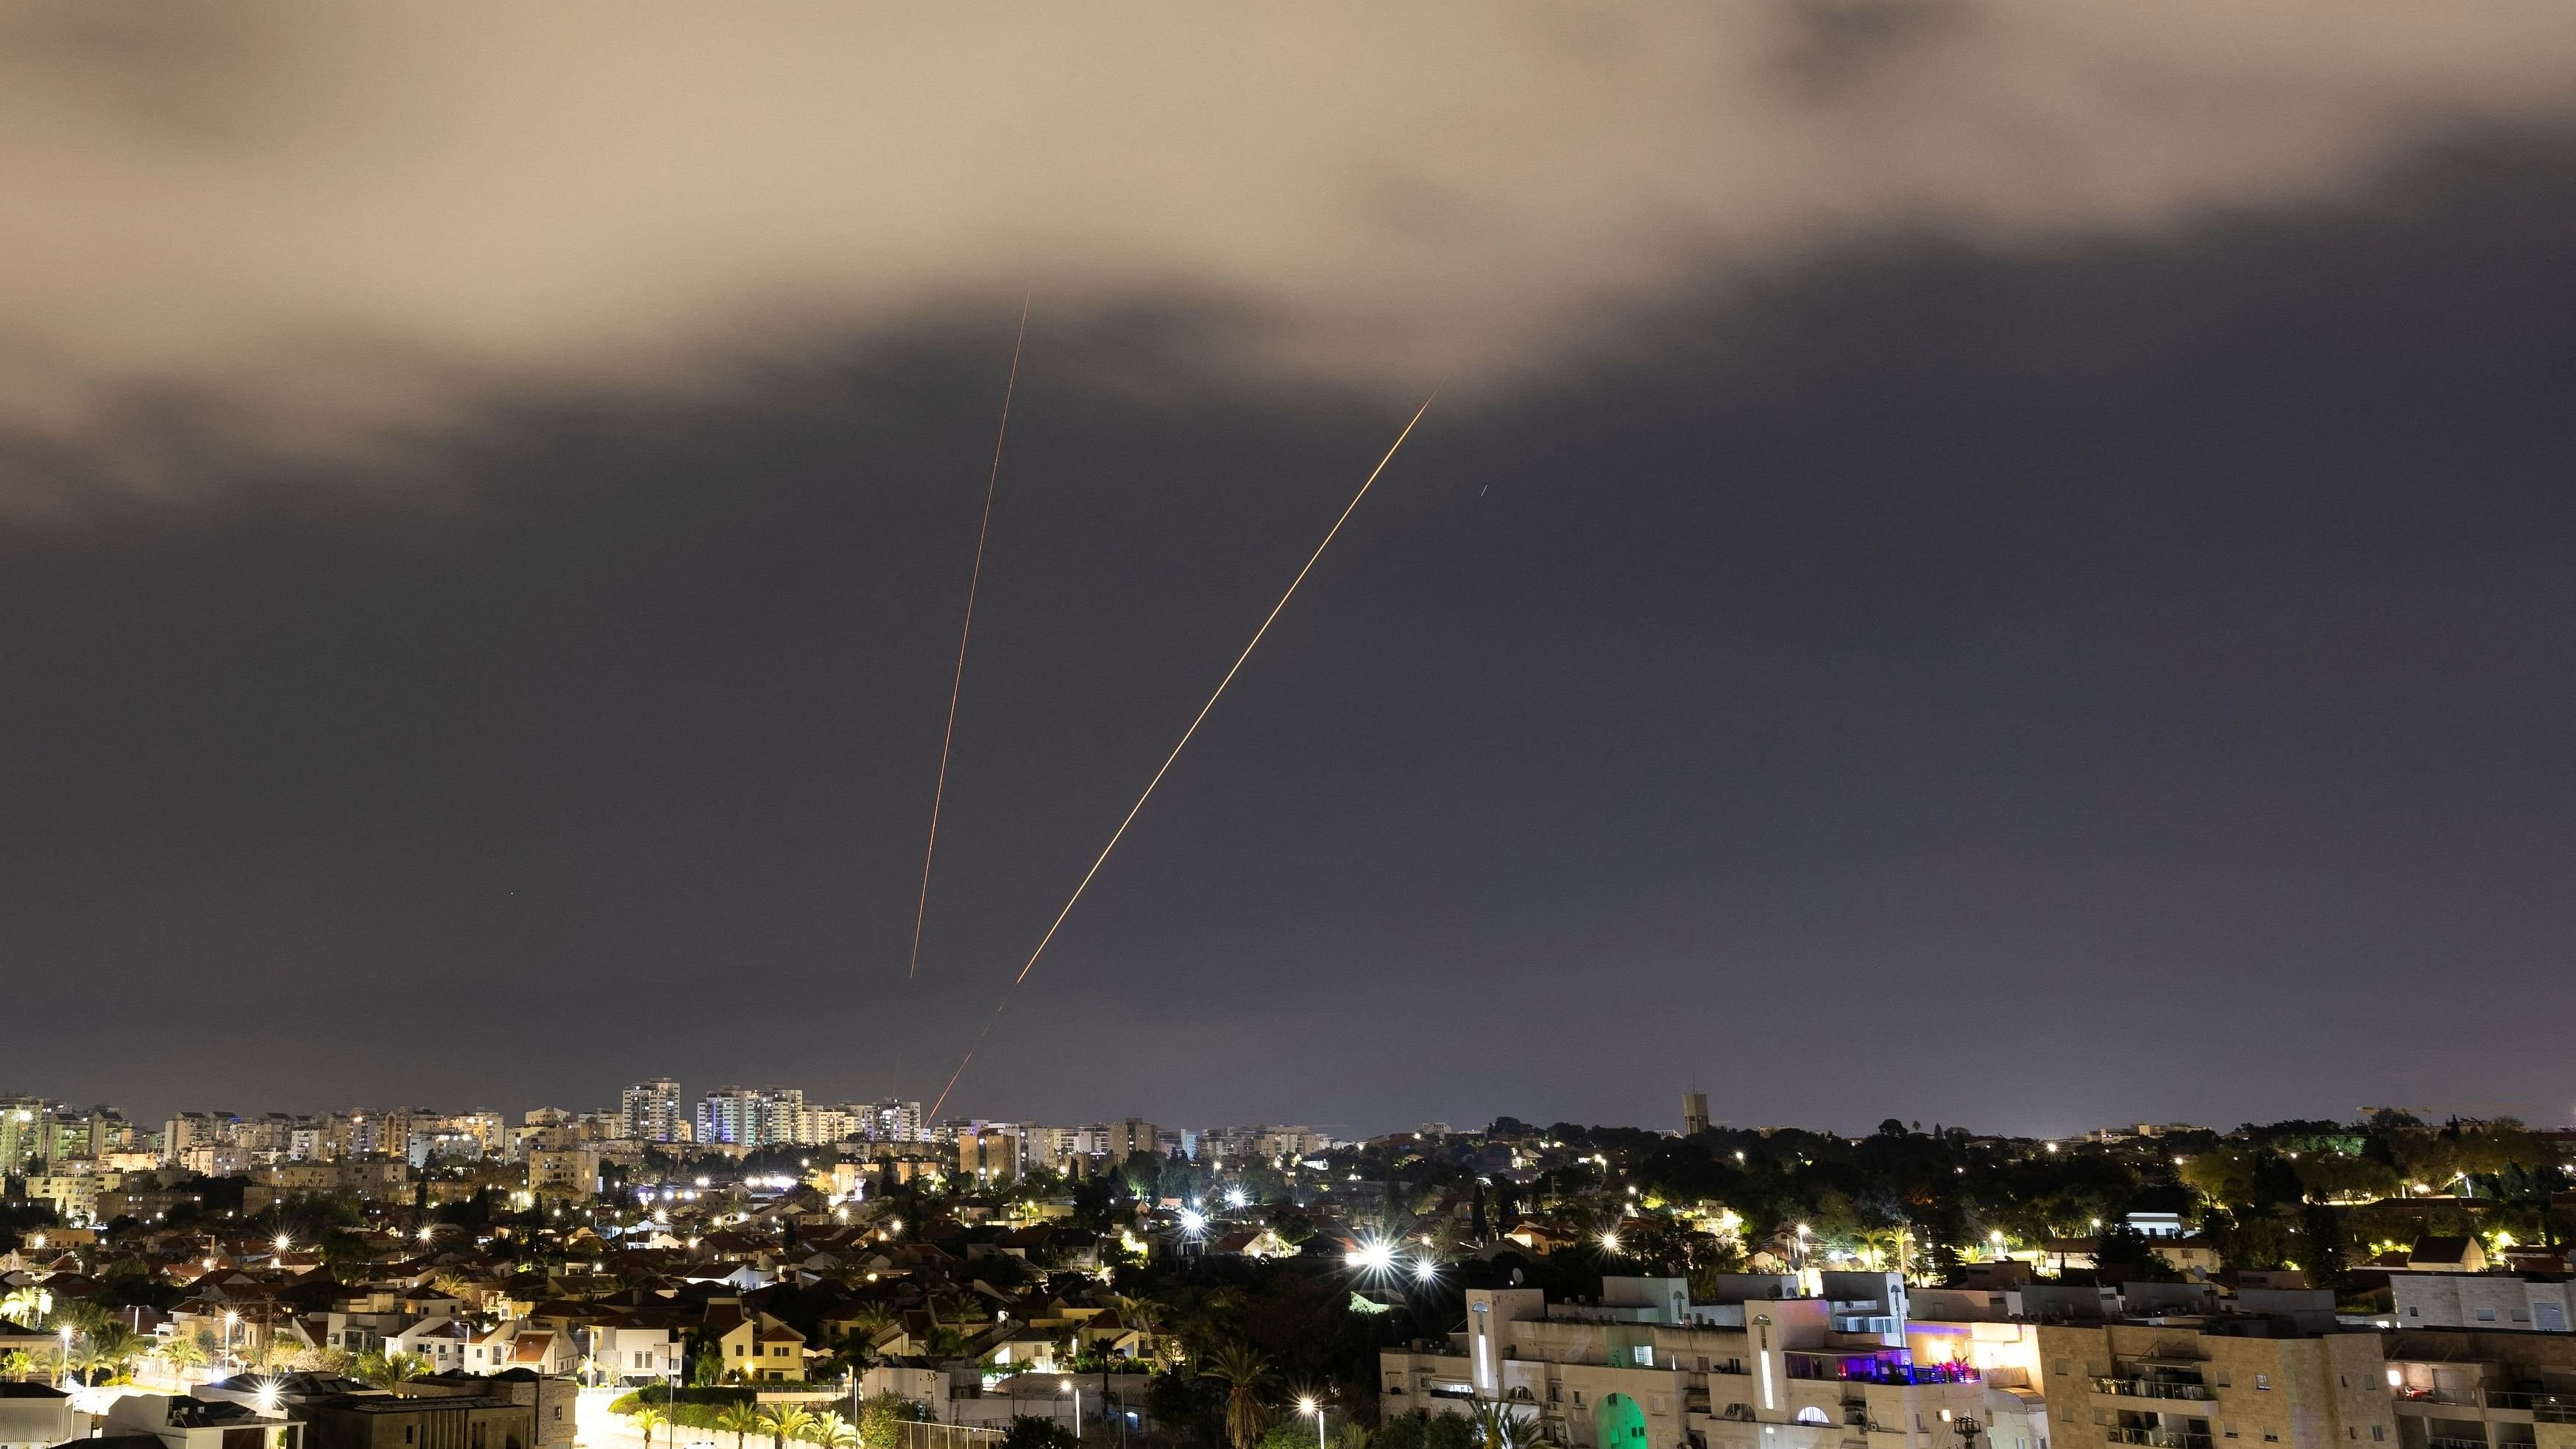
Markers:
1377,1258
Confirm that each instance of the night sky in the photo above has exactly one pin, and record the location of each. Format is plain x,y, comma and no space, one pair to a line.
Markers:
2019,668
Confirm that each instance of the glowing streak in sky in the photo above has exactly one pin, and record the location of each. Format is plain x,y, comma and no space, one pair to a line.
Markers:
939,792
1134,810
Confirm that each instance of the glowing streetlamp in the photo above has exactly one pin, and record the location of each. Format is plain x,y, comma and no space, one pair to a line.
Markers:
67,1354
1308,1404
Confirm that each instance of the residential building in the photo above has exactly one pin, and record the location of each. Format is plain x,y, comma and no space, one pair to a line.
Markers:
2215,1382
418,1421
748,1117
161,1421
633,1347
1645,1368
571,1171
73,1195
2444,1255
991,1152
20,1136
38,1416
2482,1388
549,1401
517,1345
1122,1140
894,1120
2536,1302
369,1179
652,1108
755,1344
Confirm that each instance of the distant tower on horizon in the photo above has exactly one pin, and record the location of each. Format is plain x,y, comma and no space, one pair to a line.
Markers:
1694,1113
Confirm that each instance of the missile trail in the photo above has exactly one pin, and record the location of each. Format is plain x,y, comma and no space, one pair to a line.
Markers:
957,684
1201,718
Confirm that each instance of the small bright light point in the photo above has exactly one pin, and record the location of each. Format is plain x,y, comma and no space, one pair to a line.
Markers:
1306,1404
1609,1242
1234,1197
284,1242
1193,1221
1426,1270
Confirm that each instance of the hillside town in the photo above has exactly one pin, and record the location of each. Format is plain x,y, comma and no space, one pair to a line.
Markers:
749,1265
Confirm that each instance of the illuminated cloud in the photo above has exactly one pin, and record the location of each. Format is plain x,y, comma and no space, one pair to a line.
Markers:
343,235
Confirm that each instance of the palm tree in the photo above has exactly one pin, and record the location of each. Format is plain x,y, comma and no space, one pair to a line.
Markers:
386,1370
181,1352
79,1315
26,1306
741,1419
1498,1427
112,1345
18,1364
646,1419
831,1431
1244,1372
785,1422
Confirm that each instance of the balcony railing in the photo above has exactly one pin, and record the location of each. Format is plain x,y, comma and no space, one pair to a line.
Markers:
2446,1441
2536,1400
2154,1389
2170,1439
2548,1408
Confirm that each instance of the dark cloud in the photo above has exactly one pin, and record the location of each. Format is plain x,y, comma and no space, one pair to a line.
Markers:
281,233
2123,682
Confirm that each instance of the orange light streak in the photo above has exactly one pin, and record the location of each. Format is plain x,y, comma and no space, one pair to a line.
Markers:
1201,718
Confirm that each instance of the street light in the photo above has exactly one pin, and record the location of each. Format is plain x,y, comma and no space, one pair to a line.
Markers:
1308,1404
67,1353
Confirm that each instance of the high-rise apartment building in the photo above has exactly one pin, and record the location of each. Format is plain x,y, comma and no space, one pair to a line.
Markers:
652,1110
895,1120
1694,1113
750,1117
